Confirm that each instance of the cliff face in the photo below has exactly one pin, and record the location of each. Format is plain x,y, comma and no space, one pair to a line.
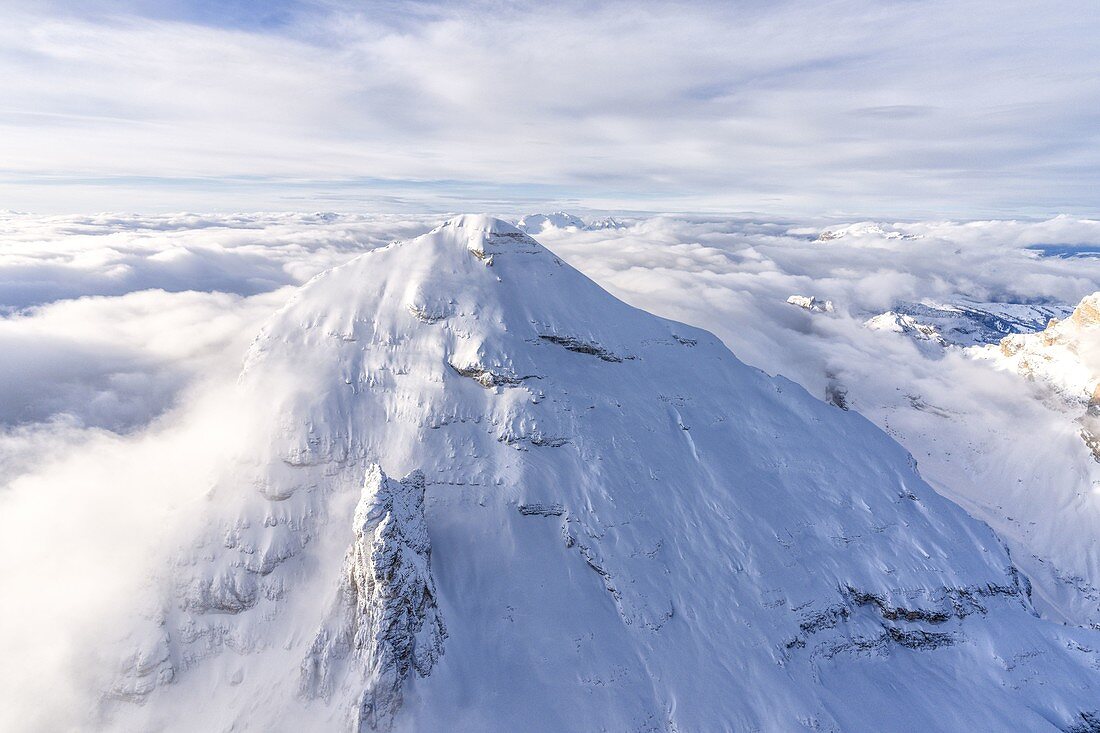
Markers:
1064,355
384,626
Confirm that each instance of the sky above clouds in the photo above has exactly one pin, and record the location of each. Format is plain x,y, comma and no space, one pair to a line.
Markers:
882,108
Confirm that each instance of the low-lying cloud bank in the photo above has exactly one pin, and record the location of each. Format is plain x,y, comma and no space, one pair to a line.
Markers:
108,317
122,338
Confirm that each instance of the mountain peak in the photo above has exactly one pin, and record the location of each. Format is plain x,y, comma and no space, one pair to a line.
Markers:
613,504
479,223
485,236
540,223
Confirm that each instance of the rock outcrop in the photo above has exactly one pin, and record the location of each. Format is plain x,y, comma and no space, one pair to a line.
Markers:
1063,355
384,626
811,303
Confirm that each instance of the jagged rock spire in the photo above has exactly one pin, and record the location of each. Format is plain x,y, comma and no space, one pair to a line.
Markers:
385,623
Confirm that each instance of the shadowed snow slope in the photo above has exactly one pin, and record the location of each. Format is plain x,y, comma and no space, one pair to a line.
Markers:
630,530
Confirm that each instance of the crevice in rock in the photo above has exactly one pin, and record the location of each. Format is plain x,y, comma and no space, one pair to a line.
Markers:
953,604
489,379
581,347
541,509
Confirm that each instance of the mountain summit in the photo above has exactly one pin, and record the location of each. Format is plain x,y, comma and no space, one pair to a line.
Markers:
606,522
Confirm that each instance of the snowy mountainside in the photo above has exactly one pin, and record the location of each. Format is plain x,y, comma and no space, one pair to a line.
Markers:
965,322
811,303
1065,358
1065,354
901,323
622,527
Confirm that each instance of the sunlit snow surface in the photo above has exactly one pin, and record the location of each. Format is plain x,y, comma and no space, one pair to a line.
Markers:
691,516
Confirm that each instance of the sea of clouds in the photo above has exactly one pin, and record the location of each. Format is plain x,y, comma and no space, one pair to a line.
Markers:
121,338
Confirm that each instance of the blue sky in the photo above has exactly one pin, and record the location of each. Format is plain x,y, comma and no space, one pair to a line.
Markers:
887,109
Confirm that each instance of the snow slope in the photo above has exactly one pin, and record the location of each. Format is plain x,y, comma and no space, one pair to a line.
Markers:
622,528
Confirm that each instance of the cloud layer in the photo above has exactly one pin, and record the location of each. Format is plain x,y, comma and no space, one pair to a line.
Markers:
928,108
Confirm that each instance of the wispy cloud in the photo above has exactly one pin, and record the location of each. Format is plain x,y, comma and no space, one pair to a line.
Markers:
866,105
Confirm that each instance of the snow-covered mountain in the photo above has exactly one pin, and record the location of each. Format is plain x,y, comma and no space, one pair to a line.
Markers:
1065,354
480,493
965,322
868,230
605,222
542,223
901,323
538,223
812,303
1065,357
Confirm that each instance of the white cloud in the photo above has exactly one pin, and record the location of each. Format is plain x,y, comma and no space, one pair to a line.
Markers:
46,259
894,108
86,518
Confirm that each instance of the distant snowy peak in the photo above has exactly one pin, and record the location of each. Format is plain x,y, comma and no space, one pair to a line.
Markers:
540,223
864,230
605,222
811,303
1065,355
900,323
965,322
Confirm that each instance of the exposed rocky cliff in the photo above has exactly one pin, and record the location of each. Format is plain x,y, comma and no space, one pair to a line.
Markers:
384,625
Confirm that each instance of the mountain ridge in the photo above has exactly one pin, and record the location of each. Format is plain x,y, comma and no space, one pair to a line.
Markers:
630,529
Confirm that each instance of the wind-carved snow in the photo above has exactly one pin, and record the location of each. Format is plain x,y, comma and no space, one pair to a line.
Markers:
385,624
630,530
